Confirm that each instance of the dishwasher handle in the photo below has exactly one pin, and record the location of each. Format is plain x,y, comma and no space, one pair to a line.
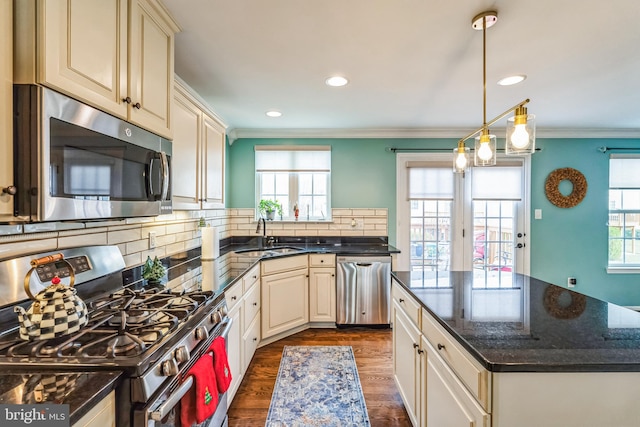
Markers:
364,264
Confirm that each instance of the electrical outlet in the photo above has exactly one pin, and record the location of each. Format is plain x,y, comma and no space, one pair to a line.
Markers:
152,239
571,282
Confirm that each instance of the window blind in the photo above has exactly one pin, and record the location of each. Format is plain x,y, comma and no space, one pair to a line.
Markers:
497,183
293,158
430,181
623,171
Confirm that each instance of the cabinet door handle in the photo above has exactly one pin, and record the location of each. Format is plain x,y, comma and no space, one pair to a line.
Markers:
401,300
137,105
126,100
416,345
440,346
420,351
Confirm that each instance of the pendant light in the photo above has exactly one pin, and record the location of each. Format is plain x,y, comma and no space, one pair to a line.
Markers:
485,147
521,133
520,128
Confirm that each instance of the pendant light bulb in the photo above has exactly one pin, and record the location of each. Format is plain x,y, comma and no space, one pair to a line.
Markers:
484,152
460,158
461,161
520,136
521,133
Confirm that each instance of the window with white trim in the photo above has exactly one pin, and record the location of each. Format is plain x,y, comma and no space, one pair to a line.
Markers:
624,210
295,176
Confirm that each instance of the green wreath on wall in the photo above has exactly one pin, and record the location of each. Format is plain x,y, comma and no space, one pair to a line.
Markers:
575,177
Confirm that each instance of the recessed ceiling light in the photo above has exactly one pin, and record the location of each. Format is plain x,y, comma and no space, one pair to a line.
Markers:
273,113
336,81
511,80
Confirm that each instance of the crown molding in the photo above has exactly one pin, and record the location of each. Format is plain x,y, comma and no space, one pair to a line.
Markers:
235,134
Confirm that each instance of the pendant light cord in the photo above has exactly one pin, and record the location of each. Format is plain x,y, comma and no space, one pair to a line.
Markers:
484,72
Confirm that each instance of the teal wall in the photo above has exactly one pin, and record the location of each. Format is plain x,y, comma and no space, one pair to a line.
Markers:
565,242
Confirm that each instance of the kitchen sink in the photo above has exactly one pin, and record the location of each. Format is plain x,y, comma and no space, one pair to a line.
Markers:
268,252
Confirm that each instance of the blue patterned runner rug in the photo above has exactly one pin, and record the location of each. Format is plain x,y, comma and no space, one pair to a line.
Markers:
317,386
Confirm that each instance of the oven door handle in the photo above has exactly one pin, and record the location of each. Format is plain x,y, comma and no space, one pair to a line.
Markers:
166,407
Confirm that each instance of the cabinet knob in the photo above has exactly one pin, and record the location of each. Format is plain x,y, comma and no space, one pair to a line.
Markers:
137,105
10,190
401,300
255,303
420,351
321,261
333,275
415,345
255,339
233,298
440,346
126,100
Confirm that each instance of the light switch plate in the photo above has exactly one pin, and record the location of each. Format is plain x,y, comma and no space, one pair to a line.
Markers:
537,214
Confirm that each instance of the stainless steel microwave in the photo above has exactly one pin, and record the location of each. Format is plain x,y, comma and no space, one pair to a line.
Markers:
74,162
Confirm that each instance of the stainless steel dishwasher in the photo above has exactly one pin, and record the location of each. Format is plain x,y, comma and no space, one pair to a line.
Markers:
363,290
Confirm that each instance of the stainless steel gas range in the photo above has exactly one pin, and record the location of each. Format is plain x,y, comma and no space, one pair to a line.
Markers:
155,334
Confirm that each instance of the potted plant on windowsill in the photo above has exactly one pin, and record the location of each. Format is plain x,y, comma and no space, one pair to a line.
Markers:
268,208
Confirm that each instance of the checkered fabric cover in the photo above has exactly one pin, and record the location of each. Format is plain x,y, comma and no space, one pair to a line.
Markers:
61,313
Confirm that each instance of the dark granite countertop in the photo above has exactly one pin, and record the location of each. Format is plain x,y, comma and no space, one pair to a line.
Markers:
80,390
253,250
334,245
533,326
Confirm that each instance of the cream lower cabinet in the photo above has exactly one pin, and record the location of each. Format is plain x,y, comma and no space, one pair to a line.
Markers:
406,362
243,303
251,325
285,294
6,106
117,55
448,403
322,288
198,154
233,298
440,385
101,415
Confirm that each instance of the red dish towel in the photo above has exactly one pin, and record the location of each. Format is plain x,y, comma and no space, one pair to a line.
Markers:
221,364
201,400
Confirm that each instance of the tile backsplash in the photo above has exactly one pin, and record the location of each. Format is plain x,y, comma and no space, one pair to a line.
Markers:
179,231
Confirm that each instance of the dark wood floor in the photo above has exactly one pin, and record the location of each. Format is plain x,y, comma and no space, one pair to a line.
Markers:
373,352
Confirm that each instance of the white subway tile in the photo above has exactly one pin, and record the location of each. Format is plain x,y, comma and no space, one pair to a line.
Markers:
114,237
83,240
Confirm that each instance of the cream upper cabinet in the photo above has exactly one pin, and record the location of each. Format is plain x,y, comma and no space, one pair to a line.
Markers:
6,106
114,54
213,176
198,153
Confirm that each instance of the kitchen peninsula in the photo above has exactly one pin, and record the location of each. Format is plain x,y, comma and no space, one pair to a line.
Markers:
533,354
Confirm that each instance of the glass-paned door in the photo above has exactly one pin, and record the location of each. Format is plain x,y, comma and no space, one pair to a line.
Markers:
498,225
431,242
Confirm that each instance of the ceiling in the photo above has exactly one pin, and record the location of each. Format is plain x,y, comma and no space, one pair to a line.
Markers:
414,66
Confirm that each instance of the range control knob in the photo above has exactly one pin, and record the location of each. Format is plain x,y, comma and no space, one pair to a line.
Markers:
170,368
201,333
216,317
223,310
181,354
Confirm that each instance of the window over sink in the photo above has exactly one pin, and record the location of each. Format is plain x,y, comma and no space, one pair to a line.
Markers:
296,177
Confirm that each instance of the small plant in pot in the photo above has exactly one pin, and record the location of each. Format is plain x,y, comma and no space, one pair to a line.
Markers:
153,271
268,208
